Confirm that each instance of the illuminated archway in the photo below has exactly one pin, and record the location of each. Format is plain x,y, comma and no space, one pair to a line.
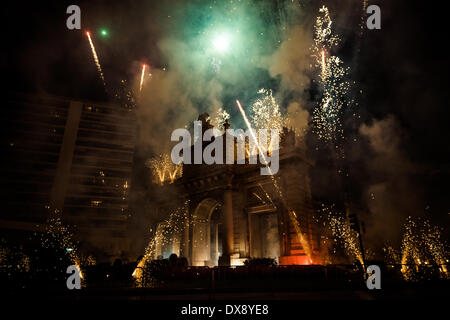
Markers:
201,232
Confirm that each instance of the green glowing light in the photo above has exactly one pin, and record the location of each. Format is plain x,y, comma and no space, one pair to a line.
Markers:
103,32
221,42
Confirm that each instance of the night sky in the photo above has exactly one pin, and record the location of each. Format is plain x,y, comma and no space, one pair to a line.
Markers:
401,79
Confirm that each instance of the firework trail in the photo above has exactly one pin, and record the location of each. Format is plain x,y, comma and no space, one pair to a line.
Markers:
328,114
292,214
362,23
94,54
252,133
259,198
142,77
267,195
323,64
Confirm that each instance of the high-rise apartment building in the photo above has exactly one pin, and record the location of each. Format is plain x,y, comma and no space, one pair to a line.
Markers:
71,156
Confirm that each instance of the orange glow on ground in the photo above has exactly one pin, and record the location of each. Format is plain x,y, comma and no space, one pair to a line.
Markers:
302,260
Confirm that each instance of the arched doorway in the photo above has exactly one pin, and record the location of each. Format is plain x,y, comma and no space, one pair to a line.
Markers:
206,233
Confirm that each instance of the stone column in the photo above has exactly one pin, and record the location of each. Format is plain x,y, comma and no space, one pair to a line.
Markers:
228,237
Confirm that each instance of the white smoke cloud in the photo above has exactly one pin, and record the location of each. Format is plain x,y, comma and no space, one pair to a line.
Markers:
170,100
297,118
292,60
391,194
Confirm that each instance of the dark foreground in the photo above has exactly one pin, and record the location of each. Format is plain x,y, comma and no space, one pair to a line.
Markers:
280,292
334,282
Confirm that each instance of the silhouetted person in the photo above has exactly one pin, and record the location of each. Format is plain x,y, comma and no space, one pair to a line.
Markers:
173,259
182,262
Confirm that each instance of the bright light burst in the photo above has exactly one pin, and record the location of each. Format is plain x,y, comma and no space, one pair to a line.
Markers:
221,42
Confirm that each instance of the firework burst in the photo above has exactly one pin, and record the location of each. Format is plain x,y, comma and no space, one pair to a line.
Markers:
163,169
421,245
219,117
175,224
265,112
341,231
332,80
